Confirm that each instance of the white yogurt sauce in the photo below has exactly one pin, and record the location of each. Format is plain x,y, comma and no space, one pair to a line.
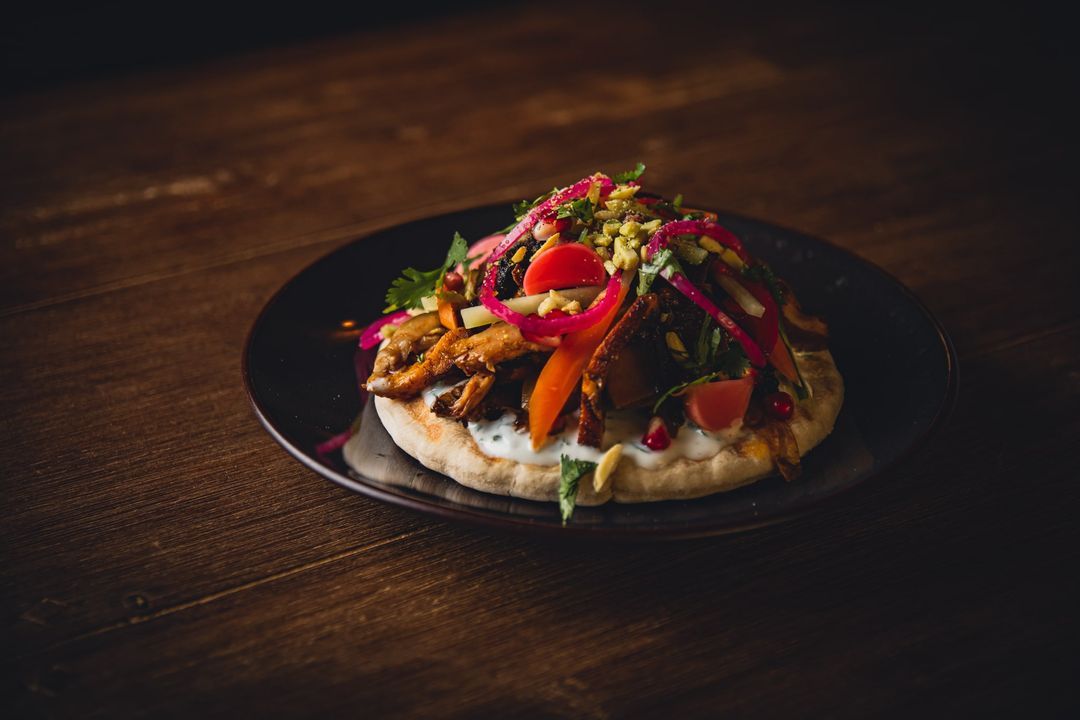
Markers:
499,438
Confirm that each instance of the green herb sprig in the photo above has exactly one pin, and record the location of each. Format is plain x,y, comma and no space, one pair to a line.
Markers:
570,473
408,291
625,177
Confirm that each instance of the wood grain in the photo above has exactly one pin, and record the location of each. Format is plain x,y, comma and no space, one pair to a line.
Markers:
162,556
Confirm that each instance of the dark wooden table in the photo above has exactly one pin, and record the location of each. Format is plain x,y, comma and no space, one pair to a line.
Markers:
161,555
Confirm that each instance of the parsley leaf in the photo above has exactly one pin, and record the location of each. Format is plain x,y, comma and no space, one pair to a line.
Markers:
629,175
571,472
648,271
458,254
582,209
407,291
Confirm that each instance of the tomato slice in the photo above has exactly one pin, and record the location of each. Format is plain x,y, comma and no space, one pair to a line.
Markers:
718,405
564,266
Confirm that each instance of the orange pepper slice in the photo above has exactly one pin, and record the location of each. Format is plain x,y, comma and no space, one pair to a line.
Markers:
562,372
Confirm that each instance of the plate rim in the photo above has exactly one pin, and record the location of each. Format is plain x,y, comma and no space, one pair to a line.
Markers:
529,526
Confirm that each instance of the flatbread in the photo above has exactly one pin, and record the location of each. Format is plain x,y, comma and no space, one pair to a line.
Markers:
447,447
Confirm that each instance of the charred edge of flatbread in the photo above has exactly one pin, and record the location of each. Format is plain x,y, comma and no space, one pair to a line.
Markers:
447,447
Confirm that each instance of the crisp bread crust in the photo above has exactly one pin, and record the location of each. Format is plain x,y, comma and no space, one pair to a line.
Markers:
447,447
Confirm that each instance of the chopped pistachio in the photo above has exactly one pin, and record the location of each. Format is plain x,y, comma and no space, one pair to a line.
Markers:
553,301
611,227
652,226
518,255
624,192
605,215
603,241
617,206
624,258
634,243
551,242
610,267
630,229
387,330
572,308
603,251
644,253
594,193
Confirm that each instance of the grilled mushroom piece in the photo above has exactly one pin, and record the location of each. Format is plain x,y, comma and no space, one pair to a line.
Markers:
456,348
591,424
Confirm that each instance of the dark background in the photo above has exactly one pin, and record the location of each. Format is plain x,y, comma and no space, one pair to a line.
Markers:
1030,45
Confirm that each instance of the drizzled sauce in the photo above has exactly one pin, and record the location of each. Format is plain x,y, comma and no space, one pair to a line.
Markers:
499,438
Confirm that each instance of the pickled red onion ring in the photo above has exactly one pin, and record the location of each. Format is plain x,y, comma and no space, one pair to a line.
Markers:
687,288
370,336
717,232
572,192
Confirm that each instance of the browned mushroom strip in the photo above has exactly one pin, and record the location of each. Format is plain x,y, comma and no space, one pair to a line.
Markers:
410,381
497,344
471,353
591,424
783,447
410,338
475,390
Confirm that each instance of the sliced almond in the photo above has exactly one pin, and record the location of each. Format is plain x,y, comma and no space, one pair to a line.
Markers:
551,242
610,460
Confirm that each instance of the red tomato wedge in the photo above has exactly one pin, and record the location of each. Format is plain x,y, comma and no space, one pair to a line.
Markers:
718,405
564,266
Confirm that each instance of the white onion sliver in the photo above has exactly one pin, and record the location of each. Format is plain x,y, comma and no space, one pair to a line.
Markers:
742,296
479,315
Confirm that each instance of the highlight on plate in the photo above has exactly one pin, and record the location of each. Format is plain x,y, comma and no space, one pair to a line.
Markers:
610,344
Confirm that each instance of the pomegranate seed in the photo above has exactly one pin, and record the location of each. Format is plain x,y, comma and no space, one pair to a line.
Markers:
656,436
780,405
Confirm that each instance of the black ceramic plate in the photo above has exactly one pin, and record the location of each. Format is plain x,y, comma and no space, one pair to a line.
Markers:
300,366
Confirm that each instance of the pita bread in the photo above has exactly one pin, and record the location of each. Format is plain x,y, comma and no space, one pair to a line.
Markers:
447,447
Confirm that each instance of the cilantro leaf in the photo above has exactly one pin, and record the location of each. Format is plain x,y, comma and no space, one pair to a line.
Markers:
407,291
458,254
571,472
629,175
522,208
582,209
648,271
